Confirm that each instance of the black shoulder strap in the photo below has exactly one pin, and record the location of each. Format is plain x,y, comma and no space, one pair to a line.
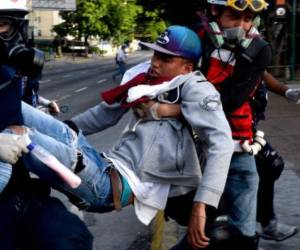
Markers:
253,49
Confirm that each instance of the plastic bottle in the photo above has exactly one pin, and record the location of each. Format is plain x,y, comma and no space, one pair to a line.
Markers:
52,162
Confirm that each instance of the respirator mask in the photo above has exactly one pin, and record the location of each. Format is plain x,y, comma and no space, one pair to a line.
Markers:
234,36
14,49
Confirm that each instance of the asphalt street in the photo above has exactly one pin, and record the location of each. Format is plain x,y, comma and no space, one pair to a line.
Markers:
76,85
282,128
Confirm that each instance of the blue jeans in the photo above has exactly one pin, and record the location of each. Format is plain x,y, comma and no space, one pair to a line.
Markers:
5,169
241,193
5,174
121,70
94,193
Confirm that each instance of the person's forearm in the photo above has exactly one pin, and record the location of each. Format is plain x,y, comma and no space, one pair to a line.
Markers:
274,85
43,101
169,110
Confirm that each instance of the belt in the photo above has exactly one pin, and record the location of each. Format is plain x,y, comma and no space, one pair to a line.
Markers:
122,194
237,146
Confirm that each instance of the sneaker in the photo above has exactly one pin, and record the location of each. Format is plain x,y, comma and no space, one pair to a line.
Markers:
277,231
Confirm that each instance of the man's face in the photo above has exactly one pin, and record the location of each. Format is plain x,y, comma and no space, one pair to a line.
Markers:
163,65
6,27
231,18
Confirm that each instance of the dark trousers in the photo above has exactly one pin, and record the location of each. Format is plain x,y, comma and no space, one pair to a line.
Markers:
32,220
223,236
269,167
121,70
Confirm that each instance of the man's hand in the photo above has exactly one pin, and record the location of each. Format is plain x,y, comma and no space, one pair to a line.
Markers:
196,229
157,110
143,110
53,108
12,147
293,95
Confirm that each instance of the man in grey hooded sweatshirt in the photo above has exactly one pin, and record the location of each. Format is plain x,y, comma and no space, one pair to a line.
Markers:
154,159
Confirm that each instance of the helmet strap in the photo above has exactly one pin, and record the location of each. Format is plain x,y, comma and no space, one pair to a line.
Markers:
215,34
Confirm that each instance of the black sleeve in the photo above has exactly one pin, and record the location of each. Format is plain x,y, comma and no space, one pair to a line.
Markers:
238,88
72,125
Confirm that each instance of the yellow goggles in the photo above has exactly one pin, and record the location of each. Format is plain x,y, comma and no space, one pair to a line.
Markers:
254,5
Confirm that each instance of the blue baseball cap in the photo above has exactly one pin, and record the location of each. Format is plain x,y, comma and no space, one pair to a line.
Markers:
178,41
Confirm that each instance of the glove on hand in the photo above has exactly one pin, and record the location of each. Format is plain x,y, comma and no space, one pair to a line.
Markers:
12,147
293,95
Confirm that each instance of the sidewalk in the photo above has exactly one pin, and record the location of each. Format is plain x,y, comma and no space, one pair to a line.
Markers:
74,60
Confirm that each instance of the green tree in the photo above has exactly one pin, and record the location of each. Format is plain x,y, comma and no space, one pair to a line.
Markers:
100,18
121,18
151,22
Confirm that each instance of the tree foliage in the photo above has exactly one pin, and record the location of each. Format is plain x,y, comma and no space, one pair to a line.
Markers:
100,18
121,20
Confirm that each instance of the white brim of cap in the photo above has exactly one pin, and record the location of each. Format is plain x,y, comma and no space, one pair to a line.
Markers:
158,48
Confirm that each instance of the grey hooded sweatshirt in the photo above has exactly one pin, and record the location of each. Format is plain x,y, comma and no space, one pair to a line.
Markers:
163,151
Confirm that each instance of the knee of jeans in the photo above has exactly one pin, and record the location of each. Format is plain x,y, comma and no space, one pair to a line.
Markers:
71,136
77,200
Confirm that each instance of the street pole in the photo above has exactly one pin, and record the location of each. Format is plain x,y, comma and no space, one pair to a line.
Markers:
293,38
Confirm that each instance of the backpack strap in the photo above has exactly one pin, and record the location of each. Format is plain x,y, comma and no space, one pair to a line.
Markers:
253,49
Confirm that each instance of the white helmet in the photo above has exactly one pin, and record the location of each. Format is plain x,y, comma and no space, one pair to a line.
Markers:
14,6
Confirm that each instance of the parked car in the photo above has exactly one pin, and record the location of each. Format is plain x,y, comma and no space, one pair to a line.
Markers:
74,46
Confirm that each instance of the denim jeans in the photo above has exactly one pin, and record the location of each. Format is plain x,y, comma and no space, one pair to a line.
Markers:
5,169
121,70
241,193
95,190
5,174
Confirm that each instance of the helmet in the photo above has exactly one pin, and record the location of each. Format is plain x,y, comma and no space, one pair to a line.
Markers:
14,7
14,47
241,5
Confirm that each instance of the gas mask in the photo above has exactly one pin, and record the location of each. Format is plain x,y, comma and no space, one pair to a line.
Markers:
14,49
234,36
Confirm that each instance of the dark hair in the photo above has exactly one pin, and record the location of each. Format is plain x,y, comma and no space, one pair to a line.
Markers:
192,61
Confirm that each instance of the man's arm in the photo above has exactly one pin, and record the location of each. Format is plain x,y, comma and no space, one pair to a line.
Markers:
99,117
51,105
279,88
202,109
